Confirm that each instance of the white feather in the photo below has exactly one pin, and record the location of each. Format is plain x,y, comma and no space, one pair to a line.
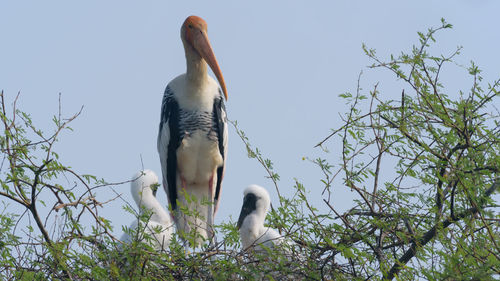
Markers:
159,226
253,233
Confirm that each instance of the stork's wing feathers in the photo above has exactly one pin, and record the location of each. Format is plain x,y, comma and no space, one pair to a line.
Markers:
220,119
168,142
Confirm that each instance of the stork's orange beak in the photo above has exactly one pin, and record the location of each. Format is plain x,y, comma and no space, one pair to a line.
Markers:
199,40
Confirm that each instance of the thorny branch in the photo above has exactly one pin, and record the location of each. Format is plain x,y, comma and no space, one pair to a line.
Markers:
431,140
27,183
429,235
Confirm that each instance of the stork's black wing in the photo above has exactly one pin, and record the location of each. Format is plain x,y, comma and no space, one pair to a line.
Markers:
220,119
168,142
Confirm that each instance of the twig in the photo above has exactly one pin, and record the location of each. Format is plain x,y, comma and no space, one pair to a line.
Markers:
429,235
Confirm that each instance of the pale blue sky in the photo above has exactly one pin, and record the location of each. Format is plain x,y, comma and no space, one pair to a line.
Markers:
284,62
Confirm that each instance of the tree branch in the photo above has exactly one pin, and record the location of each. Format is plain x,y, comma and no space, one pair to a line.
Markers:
429,235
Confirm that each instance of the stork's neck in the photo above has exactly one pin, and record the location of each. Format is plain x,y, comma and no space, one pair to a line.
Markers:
196,67
148,201
252,229
255,220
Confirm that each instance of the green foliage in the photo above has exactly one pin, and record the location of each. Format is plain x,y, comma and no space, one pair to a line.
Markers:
441,149
424,169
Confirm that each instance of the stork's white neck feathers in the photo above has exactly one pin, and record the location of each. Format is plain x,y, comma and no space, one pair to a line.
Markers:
192,96
144,198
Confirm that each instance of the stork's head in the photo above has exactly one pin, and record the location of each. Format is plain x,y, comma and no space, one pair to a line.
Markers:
144,186
194,35
255,201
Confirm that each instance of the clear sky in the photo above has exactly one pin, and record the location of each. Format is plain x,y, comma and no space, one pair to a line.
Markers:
284,62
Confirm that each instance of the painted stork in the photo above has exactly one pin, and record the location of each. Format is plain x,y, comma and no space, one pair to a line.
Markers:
159,227
253,233
192,139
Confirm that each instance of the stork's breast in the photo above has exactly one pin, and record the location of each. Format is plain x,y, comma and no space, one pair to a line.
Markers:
198,157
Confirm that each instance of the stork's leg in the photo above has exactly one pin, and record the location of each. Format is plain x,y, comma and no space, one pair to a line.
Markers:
210,210
171,212
186,226
183,183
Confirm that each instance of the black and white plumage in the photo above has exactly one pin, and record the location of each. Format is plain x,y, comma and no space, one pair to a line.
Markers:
192,139
253,213
159,226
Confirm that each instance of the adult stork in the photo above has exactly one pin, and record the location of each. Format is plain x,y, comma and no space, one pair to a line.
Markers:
192,140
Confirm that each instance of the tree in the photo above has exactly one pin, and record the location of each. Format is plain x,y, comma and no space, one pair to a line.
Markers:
424,168
34,243
435,218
